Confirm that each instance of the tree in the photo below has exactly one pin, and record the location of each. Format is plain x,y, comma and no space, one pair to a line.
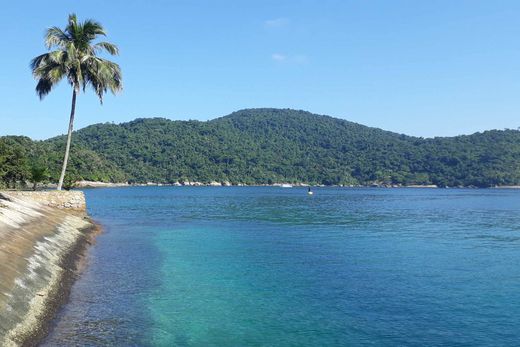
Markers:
13,163
38,174
76,59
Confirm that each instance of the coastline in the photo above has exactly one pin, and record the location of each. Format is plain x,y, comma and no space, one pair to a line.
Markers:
95,184
44,239
72,264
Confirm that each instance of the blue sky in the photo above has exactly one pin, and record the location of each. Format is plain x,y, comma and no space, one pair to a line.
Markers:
424,68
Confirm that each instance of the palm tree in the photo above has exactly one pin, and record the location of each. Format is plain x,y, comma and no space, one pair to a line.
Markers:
76,59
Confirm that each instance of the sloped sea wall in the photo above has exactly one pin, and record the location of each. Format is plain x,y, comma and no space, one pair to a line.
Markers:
42,237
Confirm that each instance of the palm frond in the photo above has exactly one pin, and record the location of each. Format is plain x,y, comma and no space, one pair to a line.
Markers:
35,62
44,87
56,37
73,19
73,27
92,29
76,59
103,75
110,48
41,64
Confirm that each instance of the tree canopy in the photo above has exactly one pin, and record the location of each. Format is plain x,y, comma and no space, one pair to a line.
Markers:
262,146
76,59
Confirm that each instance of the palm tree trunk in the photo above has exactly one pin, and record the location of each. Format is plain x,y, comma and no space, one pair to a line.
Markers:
69,138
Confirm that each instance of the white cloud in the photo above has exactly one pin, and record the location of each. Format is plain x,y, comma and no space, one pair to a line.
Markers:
276,23
298,59
278,57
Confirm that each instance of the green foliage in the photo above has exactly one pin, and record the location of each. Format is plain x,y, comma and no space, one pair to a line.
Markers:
38,174
22,159
266,146
76,59
273,145
14,167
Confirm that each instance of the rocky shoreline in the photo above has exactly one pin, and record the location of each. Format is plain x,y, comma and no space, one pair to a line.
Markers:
43,238
93,184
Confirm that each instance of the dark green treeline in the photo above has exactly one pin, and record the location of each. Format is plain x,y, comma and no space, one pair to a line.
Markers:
262,146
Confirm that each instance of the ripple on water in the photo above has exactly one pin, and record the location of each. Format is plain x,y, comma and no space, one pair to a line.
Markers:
261,266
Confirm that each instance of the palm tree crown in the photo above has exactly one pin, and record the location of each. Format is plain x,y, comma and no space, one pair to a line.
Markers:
76,59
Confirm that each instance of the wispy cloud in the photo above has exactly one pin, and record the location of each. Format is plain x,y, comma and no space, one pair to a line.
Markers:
278,57
276,23
299,59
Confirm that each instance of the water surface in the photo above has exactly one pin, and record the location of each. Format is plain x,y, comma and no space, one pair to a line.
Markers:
265,266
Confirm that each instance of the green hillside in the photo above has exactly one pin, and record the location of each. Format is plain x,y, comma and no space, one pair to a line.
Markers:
274,145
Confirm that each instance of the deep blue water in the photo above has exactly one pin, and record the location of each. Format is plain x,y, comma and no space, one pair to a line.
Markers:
265,266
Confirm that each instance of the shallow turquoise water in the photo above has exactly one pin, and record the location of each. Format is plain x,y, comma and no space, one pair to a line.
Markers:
244,266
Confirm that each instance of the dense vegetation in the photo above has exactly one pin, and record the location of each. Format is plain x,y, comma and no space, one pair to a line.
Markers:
268,146
22,159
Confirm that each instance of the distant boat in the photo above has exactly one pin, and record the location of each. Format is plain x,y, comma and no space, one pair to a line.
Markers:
309,191
286,185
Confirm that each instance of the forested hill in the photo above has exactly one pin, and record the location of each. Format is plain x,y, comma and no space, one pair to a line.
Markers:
275,145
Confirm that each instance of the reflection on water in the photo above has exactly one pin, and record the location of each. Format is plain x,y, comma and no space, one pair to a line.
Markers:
244,266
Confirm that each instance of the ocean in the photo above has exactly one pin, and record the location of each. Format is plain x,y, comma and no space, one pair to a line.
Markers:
270,266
